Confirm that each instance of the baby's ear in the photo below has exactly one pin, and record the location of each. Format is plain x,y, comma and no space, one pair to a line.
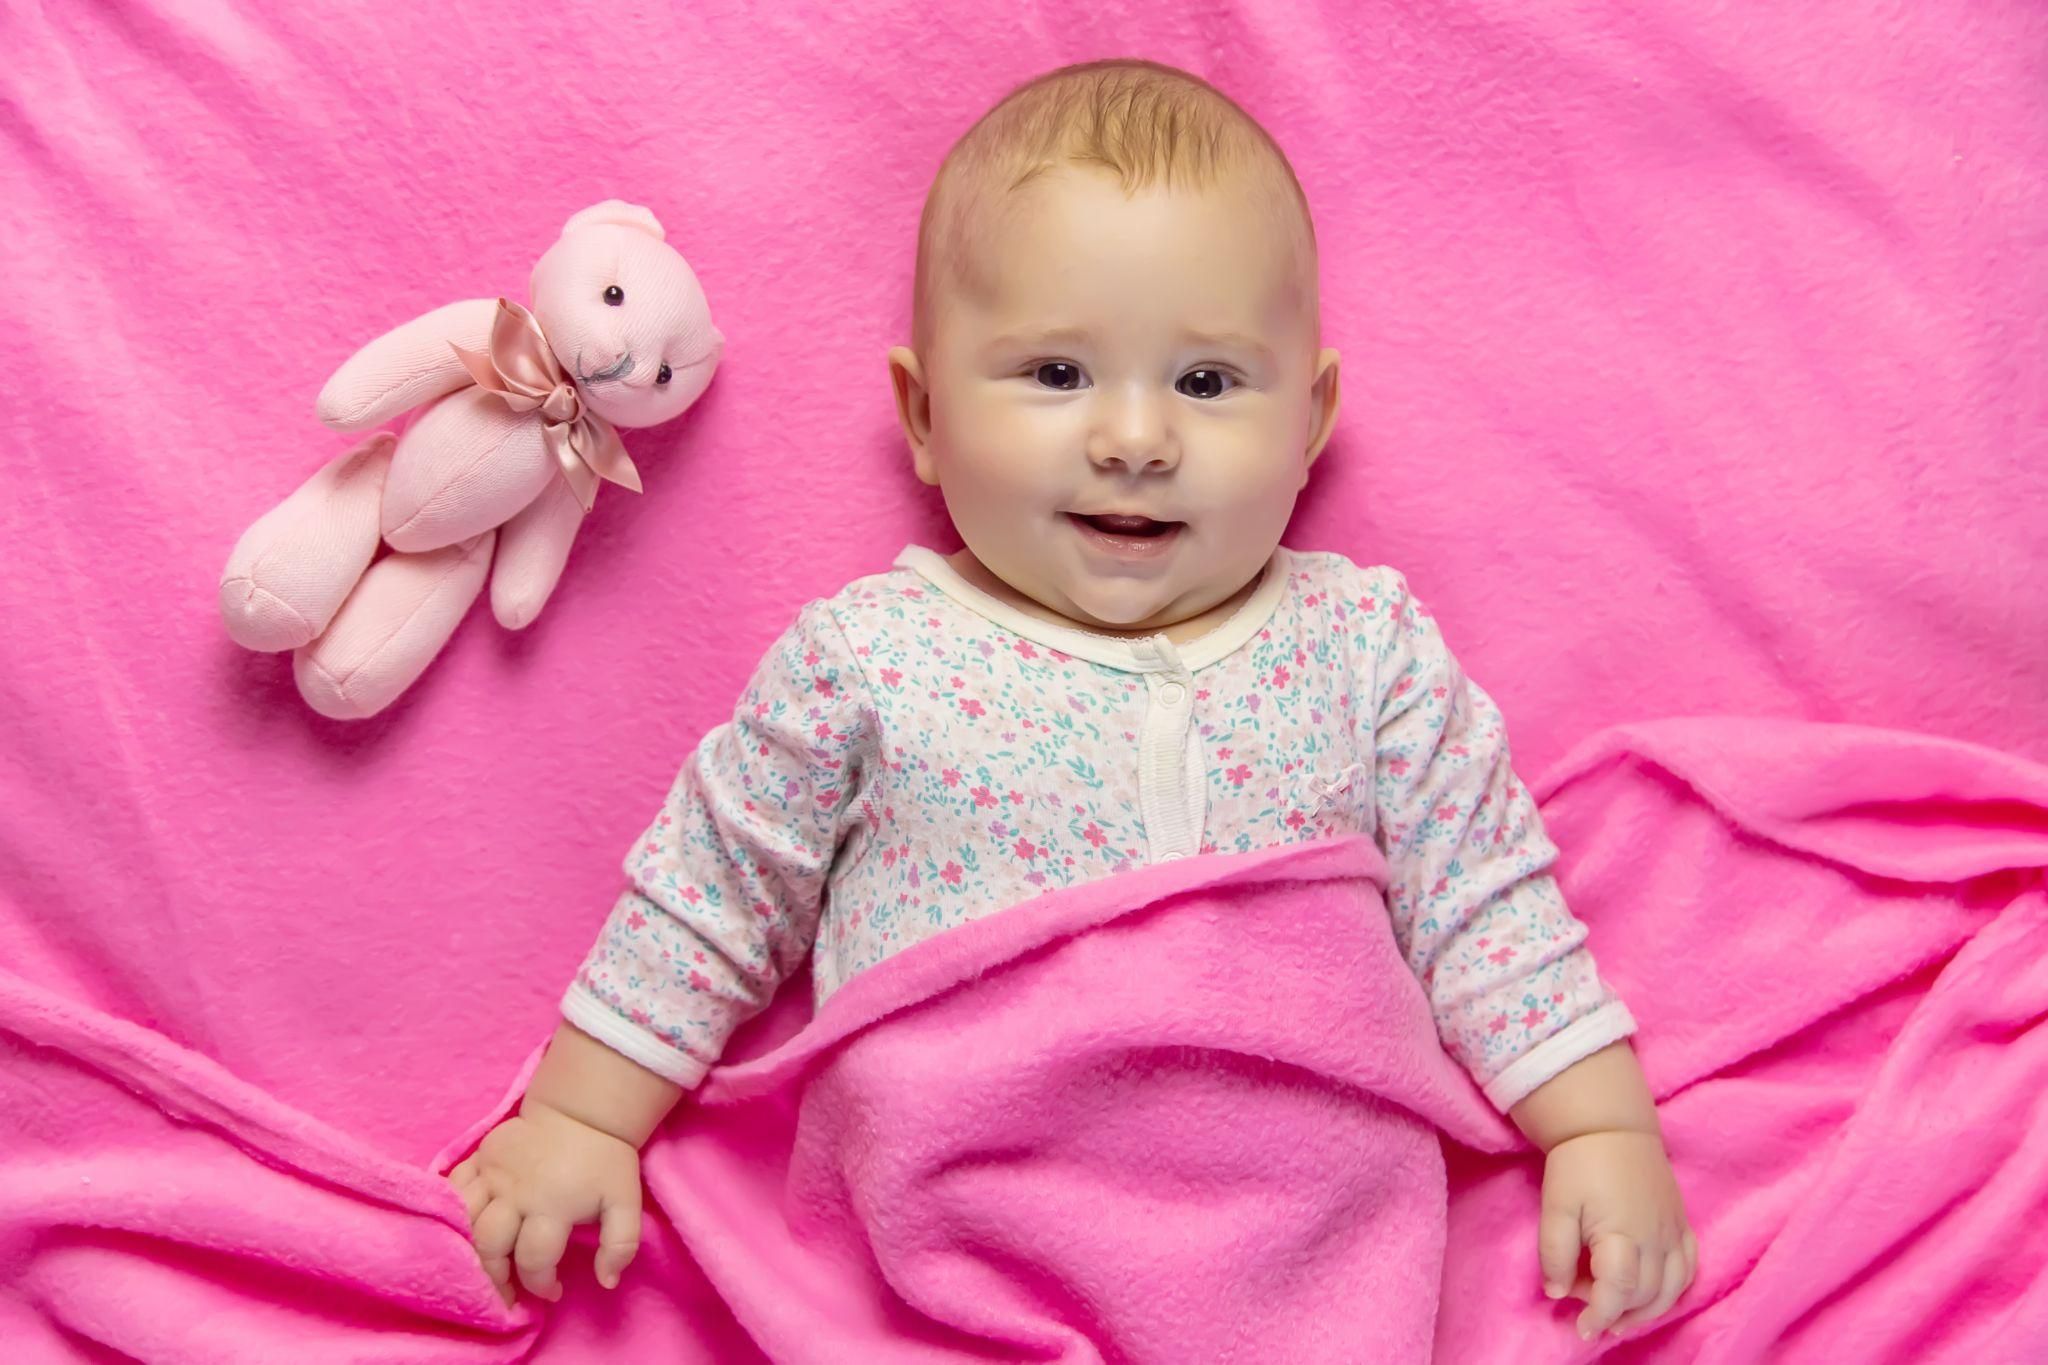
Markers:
617,213
914,409
1324,401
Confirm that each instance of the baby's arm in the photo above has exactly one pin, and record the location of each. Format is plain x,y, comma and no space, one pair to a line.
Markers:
725,890
582,1079
727,884
1479,918
1516,995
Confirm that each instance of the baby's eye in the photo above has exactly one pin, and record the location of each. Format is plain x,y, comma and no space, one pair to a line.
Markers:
614,295
1206,383
1059,374
661,376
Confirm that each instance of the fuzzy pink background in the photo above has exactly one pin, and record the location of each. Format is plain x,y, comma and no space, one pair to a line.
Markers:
1694,364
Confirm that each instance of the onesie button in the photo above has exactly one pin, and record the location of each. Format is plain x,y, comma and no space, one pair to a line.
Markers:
1172,694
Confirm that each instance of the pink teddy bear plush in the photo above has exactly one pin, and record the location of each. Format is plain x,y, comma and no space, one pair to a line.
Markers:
494,475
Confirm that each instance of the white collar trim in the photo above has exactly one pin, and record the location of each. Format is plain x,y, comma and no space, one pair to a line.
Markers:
1136,653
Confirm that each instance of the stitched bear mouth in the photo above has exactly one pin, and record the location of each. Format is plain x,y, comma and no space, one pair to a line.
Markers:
621,366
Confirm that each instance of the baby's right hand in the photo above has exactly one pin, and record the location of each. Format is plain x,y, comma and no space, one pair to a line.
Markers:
534,1177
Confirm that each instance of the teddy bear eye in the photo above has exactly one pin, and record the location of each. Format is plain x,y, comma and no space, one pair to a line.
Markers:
614,295
662,375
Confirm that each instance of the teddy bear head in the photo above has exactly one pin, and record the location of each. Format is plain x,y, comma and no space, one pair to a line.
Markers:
625,315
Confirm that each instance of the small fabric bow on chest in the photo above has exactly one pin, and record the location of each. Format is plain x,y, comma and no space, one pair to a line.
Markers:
521,368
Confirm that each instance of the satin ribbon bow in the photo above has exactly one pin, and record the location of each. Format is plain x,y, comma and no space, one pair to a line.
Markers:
520,367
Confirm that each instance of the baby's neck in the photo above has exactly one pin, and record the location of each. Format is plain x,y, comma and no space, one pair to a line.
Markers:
1179,632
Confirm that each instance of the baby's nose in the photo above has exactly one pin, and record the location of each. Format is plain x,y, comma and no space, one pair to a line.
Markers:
1132,431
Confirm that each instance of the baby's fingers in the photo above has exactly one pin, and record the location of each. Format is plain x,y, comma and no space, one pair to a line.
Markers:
542,1240
1674,1279
618,1234
1557,1249
475,1194
496,1228
1617,1272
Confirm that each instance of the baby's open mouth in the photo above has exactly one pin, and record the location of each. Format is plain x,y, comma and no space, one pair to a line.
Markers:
1121,525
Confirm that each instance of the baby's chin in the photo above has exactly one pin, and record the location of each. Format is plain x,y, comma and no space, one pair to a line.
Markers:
1122,607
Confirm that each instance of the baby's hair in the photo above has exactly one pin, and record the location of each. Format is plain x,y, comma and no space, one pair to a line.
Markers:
1144,122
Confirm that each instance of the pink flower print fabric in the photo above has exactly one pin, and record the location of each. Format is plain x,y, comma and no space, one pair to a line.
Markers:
726,886
909,756
1478,916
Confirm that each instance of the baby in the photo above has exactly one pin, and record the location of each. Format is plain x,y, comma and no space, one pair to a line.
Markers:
1117,384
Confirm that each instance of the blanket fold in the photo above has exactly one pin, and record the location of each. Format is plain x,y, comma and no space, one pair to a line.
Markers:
1194,1112
1165,1117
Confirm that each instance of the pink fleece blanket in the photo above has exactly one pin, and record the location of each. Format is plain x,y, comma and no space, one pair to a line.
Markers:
1692,365
1196,1112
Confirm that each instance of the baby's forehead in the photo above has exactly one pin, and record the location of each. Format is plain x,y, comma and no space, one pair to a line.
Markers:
1025,251
1066,191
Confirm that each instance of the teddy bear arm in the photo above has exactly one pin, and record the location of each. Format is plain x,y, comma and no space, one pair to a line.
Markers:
407,366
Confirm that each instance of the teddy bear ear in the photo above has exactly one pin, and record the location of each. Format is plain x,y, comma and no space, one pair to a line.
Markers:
619,213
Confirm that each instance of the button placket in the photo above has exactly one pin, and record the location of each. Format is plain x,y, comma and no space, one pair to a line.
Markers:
1172,784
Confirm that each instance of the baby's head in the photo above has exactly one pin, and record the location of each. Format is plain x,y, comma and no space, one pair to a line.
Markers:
1116,311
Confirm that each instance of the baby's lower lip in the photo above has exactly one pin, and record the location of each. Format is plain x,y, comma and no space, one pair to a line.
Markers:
1128,546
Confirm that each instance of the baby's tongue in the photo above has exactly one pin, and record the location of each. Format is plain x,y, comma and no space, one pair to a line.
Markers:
1125,525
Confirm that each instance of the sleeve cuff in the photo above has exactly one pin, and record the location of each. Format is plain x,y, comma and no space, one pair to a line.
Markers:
623,1036
1574,1042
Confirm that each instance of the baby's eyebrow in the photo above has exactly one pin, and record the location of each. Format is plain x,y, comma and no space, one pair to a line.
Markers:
1229,341
1051,336
1070,336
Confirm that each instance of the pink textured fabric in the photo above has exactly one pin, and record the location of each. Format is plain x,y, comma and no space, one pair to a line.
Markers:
1692,366
1077,1132
901,763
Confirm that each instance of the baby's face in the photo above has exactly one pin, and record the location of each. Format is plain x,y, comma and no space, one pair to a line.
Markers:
1152,356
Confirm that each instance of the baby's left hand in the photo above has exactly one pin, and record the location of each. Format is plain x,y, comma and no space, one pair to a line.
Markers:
1615,1193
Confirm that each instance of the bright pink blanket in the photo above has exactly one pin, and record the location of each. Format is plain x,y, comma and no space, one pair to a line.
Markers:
1188,1113
1692,365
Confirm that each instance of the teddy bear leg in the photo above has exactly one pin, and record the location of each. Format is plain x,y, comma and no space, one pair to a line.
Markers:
532,548
391,628
291,571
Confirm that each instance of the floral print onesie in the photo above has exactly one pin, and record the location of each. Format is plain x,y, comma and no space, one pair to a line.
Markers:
913,753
